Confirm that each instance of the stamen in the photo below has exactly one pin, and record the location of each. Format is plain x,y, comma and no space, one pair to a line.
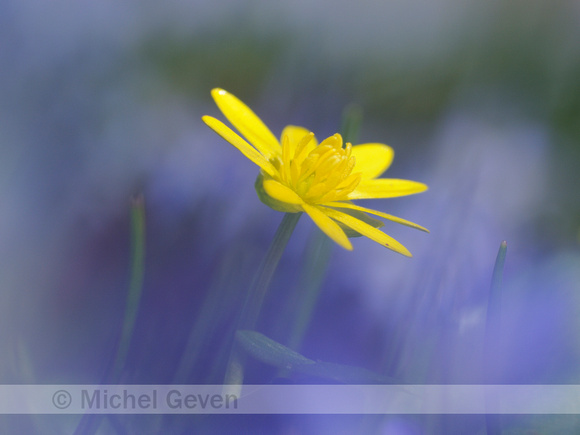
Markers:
320,173
300,152
285,169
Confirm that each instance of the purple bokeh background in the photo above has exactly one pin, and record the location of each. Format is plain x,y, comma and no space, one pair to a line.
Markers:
100,101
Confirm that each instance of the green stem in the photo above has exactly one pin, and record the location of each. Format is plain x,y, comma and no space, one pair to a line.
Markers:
261,283
351,122
211,314
492,335
90,423
308,291
135,285
257,292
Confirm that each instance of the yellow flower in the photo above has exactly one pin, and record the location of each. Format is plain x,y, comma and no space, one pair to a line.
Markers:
301,175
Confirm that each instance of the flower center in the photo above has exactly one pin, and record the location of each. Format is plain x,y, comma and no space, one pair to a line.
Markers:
318,174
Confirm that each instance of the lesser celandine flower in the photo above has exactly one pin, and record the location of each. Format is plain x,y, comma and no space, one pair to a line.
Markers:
299,174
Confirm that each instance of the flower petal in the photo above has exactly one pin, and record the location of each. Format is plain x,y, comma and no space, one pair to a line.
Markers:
372,159
328,226
247,150
377,213
386,188
282,193
247,123
367,230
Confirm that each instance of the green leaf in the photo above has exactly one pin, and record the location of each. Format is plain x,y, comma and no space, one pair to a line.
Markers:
271,352
351,120
343,373
268,200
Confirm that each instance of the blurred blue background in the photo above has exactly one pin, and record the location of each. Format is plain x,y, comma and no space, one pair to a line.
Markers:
100,101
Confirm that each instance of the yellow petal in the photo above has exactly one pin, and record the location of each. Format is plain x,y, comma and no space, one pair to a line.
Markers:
377,213
282,193
328,226
372,159
246,149
247,123
385,188
367,230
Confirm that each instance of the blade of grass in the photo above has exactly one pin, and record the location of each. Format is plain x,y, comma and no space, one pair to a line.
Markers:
135,285
492,335
89,423
211,314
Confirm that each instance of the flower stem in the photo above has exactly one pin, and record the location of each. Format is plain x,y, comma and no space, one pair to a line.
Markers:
261,283
308,291
257,292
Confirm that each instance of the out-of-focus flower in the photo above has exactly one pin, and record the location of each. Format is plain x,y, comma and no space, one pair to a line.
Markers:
301,175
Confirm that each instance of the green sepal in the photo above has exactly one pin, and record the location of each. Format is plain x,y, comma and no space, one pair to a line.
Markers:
290,208
269,201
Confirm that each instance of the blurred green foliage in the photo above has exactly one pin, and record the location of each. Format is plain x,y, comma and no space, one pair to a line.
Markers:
194,64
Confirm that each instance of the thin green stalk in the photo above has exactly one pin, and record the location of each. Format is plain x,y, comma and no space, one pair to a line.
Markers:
135,285
257,292
89,423
351,122
210,314
261,283
492,335
309,287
